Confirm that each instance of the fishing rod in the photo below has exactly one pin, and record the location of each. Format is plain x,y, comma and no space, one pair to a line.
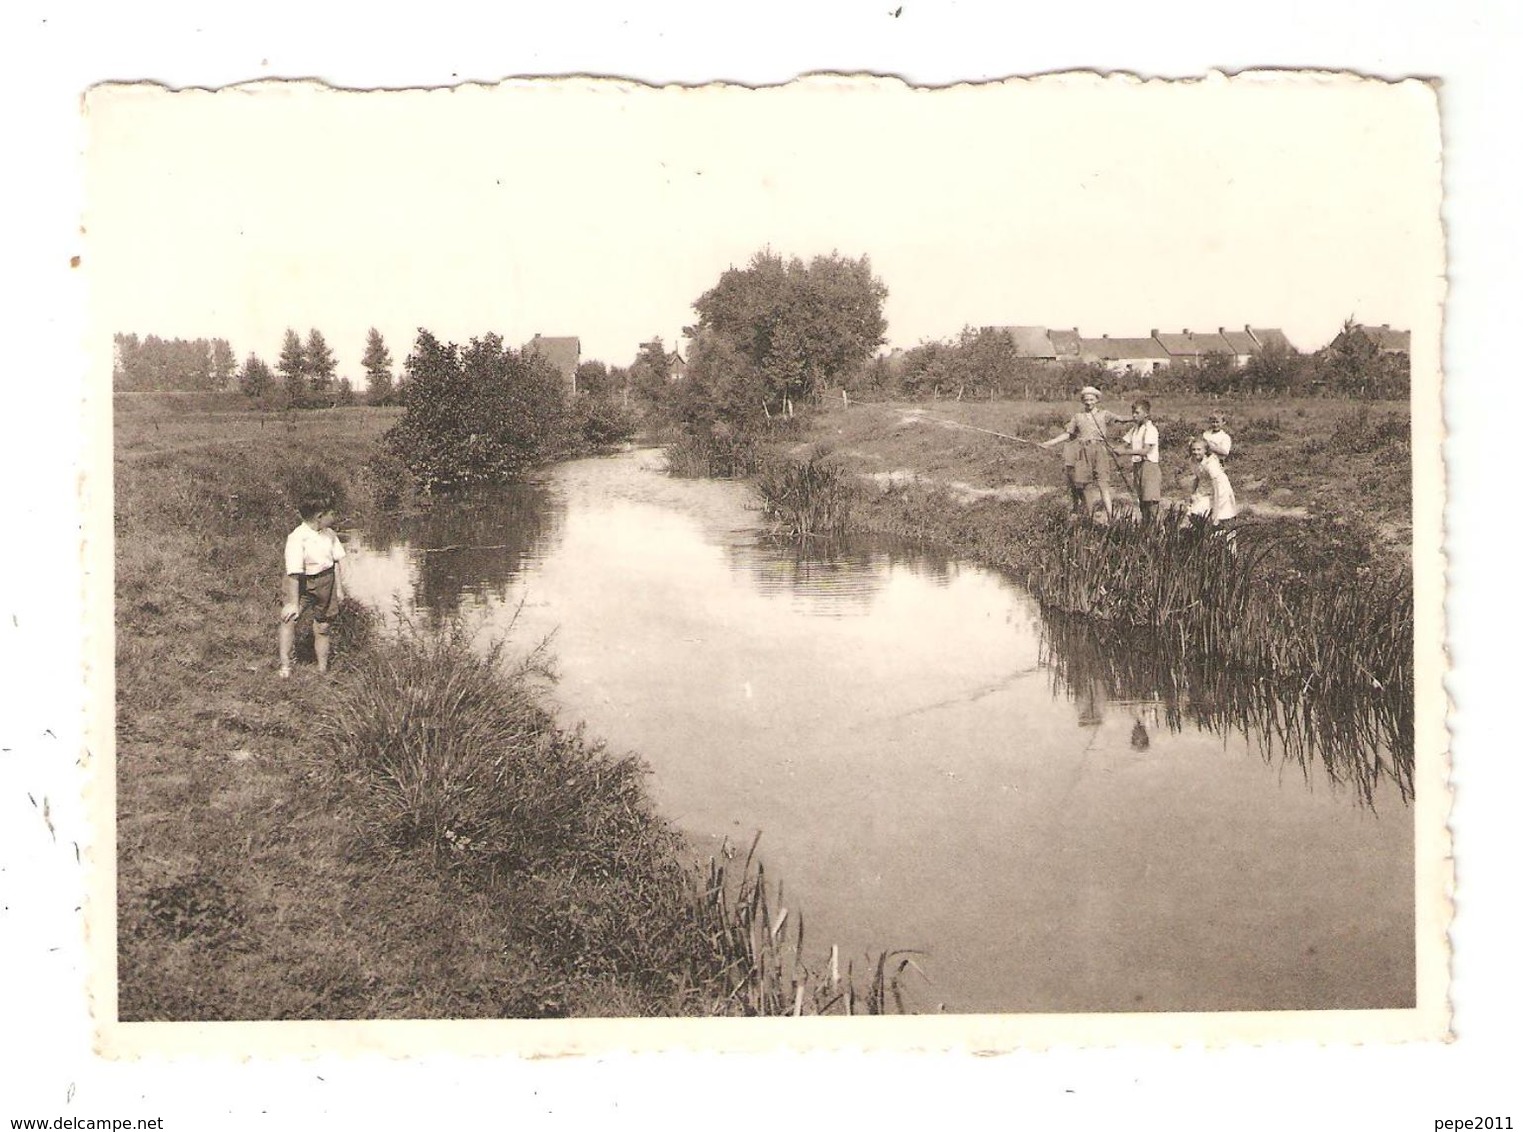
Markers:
1106,444
975,428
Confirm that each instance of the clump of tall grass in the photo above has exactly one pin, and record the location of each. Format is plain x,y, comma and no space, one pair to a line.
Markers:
717,455
461,759
1211,590
807,498
756,953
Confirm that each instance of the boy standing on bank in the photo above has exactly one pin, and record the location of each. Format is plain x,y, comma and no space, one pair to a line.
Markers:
1147,475
313,553
1092,462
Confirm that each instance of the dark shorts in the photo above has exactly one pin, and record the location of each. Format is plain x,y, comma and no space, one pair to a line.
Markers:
317,592
1092,464
1149,481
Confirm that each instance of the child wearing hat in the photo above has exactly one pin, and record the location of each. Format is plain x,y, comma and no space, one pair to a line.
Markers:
1093,457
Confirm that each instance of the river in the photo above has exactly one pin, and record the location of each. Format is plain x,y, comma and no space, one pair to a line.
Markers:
925,769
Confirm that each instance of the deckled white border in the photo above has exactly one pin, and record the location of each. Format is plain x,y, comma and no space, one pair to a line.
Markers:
982,1033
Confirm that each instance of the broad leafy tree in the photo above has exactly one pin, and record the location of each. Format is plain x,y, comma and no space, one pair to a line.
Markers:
797,326
224,365
592,379
377,363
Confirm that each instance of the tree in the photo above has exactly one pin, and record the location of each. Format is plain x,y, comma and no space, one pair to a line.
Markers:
224,366
321,364
484,414
592,379
255,378
345,391
292,367
1279,366
377,363
797,326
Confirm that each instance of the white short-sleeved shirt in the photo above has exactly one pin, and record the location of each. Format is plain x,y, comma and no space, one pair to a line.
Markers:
1218,441
1143,439
310,551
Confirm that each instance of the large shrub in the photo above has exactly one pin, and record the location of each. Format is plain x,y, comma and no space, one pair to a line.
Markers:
482,414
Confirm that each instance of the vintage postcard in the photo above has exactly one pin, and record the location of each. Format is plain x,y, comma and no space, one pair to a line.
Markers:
585,566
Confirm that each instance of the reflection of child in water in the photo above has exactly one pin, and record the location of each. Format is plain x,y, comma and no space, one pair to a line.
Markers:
1144,716
1091,700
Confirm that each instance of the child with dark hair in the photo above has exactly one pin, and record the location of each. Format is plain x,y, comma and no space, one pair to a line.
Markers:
1147,475
313,553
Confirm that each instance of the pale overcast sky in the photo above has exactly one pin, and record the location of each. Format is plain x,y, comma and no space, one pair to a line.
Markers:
603,210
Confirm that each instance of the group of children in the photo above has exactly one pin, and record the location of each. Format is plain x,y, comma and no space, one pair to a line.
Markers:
1088,457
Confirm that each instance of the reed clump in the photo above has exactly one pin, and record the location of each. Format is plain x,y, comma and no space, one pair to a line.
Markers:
809,498
717,455
756,953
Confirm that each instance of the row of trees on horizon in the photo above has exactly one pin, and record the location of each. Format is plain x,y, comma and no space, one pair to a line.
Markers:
305,373
769,336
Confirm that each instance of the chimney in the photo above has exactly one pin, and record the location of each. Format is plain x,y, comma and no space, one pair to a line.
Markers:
1222,330
1153,333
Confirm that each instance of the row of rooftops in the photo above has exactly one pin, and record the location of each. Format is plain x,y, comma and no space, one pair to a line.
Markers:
1042,343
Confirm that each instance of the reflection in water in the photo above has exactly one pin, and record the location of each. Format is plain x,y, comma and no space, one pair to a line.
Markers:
839,578
1356,739
475,546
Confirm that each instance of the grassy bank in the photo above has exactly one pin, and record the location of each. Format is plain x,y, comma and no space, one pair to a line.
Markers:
1334,460
414,836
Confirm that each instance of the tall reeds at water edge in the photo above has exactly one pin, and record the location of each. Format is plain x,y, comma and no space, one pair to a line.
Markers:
1231,599
758,954
809,498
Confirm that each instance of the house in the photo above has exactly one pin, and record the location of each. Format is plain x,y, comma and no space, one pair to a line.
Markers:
1030,341
1123,355
1269,337
1065,344
1190,348
1241,344
565,354
1384,339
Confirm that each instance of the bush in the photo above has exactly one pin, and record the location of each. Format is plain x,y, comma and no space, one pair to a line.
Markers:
481,415
1261,429
600,422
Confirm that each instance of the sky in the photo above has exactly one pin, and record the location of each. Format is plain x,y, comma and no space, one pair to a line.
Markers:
603,209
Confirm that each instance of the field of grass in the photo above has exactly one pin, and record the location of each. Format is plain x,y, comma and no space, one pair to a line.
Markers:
413,836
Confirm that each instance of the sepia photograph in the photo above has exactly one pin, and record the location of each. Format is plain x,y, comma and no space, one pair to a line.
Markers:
962,560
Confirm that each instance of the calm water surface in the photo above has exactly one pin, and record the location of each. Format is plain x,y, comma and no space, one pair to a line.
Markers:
924,771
